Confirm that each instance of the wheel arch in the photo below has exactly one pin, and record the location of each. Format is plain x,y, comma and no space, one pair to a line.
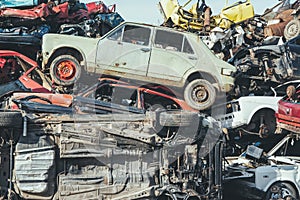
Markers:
69,51
255,112
297,189
202,75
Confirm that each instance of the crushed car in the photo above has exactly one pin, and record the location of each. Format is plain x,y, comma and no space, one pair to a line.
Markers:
292,28
287,116
132,51
20,73
21,29
107,95
198,19
261,175
283,21
111,156
261,67
241,111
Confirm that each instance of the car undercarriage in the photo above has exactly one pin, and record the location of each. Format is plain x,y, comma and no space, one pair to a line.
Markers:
111,156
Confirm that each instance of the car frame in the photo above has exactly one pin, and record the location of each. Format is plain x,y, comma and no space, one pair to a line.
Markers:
189,65
98,97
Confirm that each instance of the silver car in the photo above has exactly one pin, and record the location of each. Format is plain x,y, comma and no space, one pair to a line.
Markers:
145,53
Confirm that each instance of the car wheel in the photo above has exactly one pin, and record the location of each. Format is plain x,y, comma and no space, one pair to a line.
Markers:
281,190
11,119
65,70
292,29
200,94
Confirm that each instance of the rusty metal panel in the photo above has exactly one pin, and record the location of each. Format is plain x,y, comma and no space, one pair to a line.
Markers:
32,170
275,29
278,29
35,166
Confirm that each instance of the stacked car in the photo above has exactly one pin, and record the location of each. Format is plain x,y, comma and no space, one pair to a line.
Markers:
105,109
85,123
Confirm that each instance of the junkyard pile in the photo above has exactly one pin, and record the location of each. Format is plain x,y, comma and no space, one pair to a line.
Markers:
93,107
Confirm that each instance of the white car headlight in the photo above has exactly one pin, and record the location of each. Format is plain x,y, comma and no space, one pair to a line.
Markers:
227,72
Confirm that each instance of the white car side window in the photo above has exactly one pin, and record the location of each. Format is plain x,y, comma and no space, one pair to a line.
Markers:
168,40
136,35
116,35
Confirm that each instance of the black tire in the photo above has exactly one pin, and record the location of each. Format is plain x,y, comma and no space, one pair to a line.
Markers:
292,29
281,190
200,94
11,119
65,70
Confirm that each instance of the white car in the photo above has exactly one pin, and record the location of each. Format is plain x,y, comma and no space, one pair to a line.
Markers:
144,53
255,114
268,176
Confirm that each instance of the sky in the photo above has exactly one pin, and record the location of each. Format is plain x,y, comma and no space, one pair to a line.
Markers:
147,11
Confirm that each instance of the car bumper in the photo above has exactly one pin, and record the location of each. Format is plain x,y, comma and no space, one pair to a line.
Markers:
288,122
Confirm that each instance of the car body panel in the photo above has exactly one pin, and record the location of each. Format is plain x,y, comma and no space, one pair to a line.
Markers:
57,99
58,41
92,55
288,114
265,176
238,11
248,106
122,56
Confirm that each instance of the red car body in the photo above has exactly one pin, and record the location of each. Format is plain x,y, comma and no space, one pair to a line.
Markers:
61,12
66,100
20,73
288,114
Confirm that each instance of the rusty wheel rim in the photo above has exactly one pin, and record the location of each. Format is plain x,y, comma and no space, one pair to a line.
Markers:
199,94
66,70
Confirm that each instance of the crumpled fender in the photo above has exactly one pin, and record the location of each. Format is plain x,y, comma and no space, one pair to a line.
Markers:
39,11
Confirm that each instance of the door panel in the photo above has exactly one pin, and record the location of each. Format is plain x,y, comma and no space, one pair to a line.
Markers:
125,53
171,56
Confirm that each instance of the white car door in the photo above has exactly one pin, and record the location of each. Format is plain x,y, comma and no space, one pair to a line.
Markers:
172,55
125,52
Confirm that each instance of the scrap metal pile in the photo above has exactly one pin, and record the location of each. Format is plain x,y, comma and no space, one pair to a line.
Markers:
109,138
142,112
258,45
22,27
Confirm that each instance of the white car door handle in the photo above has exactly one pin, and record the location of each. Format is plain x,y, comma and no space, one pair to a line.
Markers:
145,49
